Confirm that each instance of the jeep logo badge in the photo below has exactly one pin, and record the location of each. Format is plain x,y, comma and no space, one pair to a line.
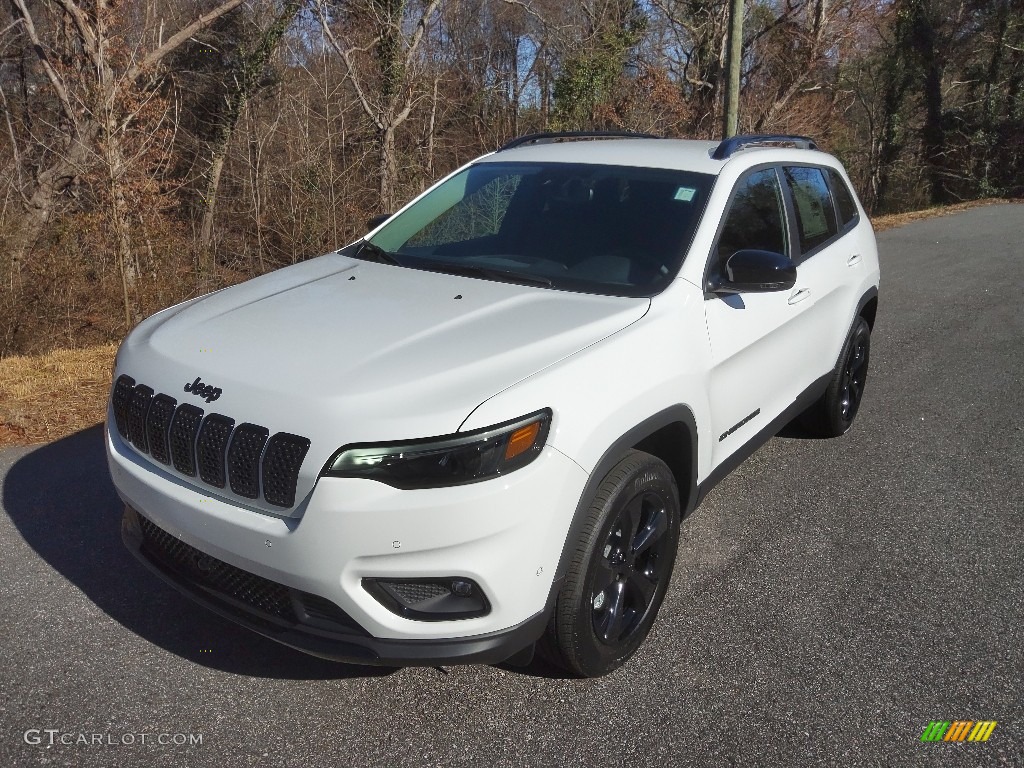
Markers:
203,390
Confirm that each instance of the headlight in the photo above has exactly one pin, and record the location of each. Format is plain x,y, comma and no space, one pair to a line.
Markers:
450,460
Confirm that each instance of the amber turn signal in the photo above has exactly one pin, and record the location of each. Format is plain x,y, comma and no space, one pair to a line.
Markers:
522,440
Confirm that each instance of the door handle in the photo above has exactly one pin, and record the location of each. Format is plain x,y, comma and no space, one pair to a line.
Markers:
854,260
799,295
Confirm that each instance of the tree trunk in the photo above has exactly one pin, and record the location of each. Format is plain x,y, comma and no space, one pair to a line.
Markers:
897,75
119,225
812,52
206,250
933,139
730,117
387,167
48,188
933,134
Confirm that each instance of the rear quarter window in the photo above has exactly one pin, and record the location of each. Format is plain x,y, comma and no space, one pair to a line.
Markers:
846,208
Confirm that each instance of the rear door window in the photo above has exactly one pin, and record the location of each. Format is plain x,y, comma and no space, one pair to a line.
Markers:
815,213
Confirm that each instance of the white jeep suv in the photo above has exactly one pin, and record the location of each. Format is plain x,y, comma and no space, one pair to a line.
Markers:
479,426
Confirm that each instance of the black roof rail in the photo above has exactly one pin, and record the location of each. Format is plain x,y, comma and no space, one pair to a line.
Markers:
730,146
538,138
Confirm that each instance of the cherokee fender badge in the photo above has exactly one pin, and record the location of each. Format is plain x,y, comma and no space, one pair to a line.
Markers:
205,391
733,428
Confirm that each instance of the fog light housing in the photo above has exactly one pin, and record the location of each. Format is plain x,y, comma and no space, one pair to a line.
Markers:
444,598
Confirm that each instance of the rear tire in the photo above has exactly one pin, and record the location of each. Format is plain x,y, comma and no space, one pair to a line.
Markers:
834,413
619,570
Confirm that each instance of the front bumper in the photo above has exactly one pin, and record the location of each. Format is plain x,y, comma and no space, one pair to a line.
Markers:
303,621
505,534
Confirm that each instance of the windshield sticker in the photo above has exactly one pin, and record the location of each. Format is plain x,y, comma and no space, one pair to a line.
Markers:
685,194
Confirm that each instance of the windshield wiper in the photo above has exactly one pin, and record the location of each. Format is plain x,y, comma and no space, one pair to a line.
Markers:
489,273
378,253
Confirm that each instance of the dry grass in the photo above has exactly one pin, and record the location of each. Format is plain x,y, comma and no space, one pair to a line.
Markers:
46,397
893,220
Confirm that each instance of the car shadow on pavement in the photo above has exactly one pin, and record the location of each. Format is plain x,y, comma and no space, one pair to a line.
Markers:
63,504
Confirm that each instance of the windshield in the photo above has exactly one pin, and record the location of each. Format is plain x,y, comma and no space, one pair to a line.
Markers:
592,228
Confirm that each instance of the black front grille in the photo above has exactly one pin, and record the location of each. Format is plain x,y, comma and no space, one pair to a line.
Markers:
281,463
184,427
244,459
256,593
138,409
123,389
158,425
212,446
247,457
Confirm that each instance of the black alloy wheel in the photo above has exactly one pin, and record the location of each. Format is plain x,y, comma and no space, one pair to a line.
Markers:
631,566
619,569
855,372
833,414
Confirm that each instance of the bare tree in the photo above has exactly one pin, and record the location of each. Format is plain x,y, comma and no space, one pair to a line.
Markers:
108,83
384,82
243,80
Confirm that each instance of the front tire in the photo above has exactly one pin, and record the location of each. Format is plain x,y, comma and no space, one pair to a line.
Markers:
619,571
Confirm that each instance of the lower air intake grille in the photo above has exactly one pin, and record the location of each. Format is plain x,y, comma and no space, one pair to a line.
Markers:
247,457
262,594
417,592
188,564
323,610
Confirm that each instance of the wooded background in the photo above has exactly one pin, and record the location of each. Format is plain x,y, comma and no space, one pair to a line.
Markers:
152,150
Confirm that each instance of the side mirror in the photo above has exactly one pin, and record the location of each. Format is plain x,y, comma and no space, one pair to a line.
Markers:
376,221
752,271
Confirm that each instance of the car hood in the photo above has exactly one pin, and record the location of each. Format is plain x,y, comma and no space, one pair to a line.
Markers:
343,350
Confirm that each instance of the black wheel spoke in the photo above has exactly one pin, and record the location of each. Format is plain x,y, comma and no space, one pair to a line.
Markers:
854,393
654,529
858,362
611,622
853,379
630,519
604,574
643,589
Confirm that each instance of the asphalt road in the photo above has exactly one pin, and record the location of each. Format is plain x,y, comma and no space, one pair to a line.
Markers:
830,599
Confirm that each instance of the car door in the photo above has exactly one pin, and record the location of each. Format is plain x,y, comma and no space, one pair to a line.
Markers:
760,350
824,257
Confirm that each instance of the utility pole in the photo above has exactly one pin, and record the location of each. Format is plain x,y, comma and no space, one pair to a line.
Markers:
730,115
